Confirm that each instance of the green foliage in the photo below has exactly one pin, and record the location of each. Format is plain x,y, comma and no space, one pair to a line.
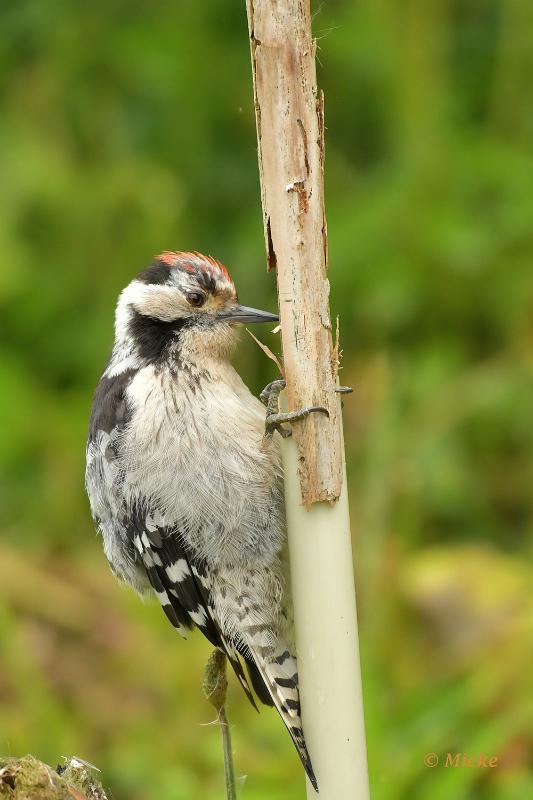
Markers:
128,129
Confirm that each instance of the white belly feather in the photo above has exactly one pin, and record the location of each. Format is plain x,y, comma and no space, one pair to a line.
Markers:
197,451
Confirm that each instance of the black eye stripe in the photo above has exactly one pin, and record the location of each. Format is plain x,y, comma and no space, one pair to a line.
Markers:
152,336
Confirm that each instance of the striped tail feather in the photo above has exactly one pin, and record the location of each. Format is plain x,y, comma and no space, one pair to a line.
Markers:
278,671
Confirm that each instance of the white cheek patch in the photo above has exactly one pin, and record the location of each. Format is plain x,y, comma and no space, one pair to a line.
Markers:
164,302
151,300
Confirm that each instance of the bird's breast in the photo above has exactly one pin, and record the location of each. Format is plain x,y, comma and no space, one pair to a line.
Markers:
195,448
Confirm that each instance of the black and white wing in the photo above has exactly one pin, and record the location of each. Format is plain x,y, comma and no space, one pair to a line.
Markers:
181,582
104,476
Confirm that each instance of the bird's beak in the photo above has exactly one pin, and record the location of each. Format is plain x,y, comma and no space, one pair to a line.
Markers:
247,314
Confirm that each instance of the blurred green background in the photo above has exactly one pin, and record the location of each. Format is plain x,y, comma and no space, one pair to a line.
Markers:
126,129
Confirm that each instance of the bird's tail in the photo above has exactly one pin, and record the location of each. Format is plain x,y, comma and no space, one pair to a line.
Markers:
276,669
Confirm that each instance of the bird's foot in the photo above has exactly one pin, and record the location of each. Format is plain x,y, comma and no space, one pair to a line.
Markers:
270,394
275,419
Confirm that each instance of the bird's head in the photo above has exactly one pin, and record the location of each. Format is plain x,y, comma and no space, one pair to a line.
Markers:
182,302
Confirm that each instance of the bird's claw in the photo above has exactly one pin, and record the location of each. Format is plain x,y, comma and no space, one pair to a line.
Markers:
271,393
274,422
275,419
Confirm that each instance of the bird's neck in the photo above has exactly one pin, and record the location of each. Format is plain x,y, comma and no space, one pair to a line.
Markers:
141,341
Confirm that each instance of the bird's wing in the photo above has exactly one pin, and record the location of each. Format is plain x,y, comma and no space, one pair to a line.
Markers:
181,582
104,476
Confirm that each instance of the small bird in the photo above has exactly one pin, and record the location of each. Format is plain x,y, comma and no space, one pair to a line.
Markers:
184,480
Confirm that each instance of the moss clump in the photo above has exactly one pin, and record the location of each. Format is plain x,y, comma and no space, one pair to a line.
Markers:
29,779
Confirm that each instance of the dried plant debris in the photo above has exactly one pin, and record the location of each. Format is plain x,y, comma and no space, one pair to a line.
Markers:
80,774
29,779
267,351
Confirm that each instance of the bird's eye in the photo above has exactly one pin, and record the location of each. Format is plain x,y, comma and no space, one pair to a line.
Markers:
195,299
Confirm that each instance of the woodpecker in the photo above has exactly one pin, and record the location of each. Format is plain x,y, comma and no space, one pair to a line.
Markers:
184,481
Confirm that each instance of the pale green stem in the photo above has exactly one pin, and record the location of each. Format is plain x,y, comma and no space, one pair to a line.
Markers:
231,792
215,686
